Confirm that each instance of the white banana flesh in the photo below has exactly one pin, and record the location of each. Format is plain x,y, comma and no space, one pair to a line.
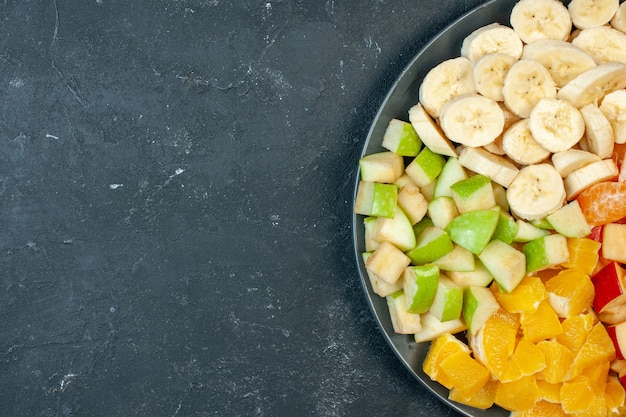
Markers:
535,192
590,174
598,131
613,106
556,124
490,39
472,120
619,20
592,13
429,132
498,168
533,20
569,161
593,84
603,43
489,73
449,79
526,83
519,144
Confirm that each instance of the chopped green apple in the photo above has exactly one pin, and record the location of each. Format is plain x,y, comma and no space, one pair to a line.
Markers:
420,286
448,302
499,193
419,227
401,138
431,244
376,199
545,252
387,262
473,230
412,202
506,229
570,221
432,327
403,180
397,230
428,191
403,321
442,210
384,167
479,304
506,264
527,231
459,259
473,193
380,286
478,277
451,173
425,168
542,223
369,223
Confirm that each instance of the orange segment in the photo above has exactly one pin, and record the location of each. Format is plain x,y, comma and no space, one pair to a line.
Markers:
598,348
540,324
577,395
596,409
525,297
603,203
519,395
575,330
442,347
571,292
549,392
527,359
495,342
483,399
560,360
583,254
614,393
465,373
542,409
598,375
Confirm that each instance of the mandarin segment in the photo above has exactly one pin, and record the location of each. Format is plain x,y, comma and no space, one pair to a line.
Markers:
550,392
525,297
542,409
575,330
527,359
560,360
614,393
583,254
598,348
571,292
483,399
577,395
442,347
540,324
603,203
466,374
518,395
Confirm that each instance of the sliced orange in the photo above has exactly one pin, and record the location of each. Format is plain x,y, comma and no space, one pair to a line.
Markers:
441,348
527,359
542,409
577,395
596,409
575,330
540,324
495,342
559,360
519,395
483,399
598,348
466,374
571,292
525,297
598,375
583,254
603,203
549,392
614,393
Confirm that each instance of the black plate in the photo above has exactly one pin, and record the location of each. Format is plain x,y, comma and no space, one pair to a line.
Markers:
402,96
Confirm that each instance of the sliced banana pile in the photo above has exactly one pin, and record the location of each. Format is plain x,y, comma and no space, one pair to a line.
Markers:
537,106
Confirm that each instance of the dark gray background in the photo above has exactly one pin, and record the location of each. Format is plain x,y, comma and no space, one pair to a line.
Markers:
176,180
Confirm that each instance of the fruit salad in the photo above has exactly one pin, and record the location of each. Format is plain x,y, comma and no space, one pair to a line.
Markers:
495,216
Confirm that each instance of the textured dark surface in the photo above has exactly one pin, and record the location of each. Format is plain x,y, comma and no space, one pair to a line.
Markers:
176,180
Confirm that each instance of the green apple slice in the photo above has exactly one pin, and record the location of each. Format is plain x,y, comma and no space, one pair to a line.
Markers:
499,193
473,230
451,173
442,210
397,230
506,229
403,321
368,224
527,231
376,199
420,286
431,244
479,277
380,286
546,252
425,168
400,138
479,304
459,259
387,262
506,264
570,221
412,202
384,167
432,328
473,193
448,302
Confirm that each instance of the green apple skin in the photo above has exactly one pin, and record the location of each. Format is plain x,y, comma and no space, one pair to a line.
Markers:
473,193
397,230
545,252
542,223
473,230
400,138
570,221
380,286
506,264
431,244
457,260
442,210
376,199
425,168
403,321
420,226
420,286
433,328
528,231
448,302
479,304
384,167
451,173
506,229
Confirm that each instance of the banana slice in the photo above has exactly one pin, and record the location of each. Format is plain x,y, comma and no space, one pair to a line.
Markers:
598,131
500,169
563,60
590,174
510,119
569,161
619,20
490,39
535,192
472,120
592,13
520,145
603,43
525,84
556,124
447,80
533,20
593,84
428,131
613,106
489,73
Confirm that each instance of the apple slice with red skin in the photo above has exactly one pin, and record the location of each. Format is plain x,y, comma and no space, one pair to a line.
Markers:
617,332
610,299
